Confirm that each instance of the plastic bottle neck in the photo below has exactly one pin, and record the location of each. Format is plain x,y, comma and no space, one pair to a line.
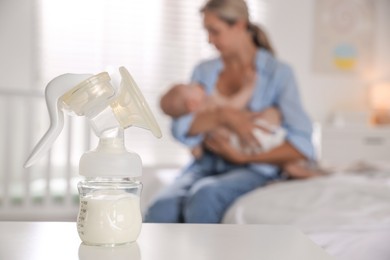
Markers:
112,140
111,159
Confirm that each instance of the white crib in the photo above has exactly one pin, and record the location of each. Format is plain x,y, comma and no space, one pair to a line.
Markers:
47,190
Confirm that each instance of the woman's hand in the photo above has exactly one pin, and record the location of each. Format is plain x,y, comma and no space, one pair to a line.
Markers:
241,123
220,145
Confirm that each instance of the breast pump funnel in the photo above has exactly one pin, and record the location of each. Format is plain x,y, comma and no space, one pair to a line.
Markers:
109,196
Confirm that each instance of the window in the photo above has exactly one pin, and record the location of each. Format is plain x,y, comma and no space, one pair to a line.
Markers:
158,41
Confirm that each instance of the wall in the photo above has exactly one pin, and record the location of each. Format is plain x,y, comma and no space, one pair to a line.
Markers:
290,25
16,44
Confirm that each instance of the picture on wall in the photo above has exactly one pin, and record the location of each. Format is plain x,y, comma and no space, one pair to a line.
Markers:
343,36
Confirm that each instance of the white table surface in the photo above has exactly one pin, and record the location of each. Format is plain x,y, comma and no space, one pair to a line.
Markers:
59,240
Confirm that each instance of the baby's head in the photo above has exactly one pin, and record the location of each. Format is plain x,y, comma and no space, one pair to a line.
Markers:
182,99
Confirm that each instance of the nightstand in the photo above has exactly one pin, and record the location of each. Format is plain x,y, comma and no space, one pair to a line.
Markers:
348,144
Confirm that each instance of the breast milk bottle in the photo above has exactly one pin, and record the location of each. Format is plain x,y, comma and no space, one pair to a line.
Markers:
110,213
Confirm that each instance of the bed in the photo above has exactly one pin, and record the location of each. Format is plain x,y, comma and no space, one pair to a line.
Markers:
347,212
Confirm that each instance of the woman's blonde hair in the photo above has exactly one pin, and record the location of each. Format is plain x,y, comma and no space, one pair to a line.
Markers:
230,11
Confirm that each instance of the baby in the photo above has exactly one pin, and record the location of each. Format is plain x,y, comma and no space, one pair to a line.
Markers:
182,99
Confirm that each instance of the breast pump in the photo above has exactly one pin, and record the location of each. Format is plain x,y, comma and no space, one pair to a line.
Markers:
109,212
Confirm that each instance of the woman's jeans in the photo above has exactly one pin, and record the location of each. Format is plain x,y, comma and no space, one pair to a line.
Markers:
203,194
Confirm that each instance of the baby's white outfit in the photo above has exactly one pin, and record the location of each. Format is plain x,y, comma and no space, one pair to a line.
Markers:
272,138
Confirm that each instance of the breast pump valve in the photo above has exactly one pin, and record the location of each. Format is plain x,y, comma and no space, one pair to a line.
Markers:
109,212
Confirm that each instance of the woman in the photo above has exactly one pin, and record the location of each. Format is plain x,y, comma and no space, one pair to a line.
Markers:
213,182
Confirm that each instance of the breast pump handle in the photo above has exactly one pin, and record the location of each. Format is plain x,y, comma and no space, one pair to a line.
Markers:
53,93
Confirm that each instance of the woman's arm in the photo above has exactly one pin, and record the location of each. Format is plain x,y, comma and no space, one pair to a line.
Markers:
206,120
236,120
279,156
295,119
298,143
191,129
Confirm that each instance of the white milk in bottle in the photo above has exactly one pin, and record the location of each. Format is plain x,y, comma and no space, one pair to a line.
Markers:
109,218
